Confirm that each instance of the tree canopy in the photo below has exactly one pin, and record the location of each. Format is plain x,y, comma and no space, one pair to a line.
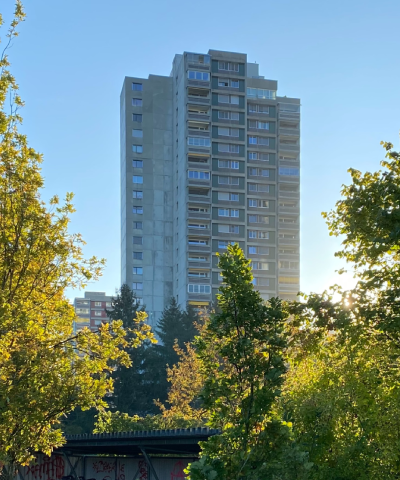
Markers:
45,370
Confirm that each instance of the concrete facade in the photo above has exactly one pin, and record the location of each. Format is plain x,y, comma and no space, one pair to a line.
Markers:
219,160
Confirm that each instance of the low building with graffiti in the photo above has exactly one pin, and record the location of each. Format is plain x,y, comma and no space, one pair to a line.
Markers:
150,455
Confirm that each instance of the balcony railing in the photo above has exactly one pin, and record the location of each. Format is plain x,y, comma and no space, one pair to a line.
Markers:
199,116
199,133
199,100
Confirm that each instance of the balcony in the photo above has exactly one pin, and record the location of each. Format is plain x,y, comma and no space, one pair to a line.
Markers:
198,83
288,241
289,116
288,226
294,132
199,248
199,133
289,147
199,232
198,280
205,264
199,216
199,116
283,194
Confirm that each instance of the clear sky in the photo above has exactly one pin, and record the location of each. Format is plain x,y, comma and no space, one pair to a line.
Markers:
340,57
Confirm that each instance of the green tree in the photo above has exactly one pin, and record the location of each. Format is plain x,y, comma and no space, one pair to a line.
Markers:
344,385
132,388
241,353
45,371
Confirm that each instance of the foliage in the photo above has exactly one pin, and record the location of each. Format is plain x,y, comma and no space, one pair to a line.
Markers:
130,386
343,388
175,325
186,381
184,410
241,354
45,372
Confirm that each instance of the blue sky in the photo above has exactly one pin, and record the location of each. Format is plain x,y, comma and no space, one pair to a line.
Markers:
341,58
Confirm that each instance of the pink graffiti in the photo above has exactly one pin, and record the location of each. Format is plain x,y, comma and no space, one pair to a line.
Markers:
142,469
177,471
103,466
121,471
49,468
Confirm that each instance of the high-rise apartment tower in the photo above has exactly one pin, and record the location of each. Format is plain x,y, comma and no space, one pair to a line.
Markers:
209,155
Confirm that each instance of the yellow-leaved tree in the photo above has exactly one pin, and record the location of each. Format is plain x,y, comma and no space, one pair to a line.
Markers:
45,371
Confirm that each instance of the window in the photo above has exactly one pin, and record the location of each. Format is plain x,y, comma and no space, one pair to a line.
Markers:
258,219
228,212
228,148
137,133
198,274
260,266
97,304
258,187
255,108
193,288
223,98
138,270
226,82
97,313
234,165
288,280
197,241
258,203
137,163
84,311
137,86
138,225
288,107
197,258
295,172
258,234
137,179
289,251
137,286
137,148
258,141
232,99
287,219
252,250
289,265
228,132
138,210
197,225
137,102
287,236
258,156
261,93
198,58
228,180
258,172
261,282
137,194
198,175
136,117
229,197
138,255
228,115
198,209
194,75
229,66
199,142
138,240
258,125
228,229
259,250
224,243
